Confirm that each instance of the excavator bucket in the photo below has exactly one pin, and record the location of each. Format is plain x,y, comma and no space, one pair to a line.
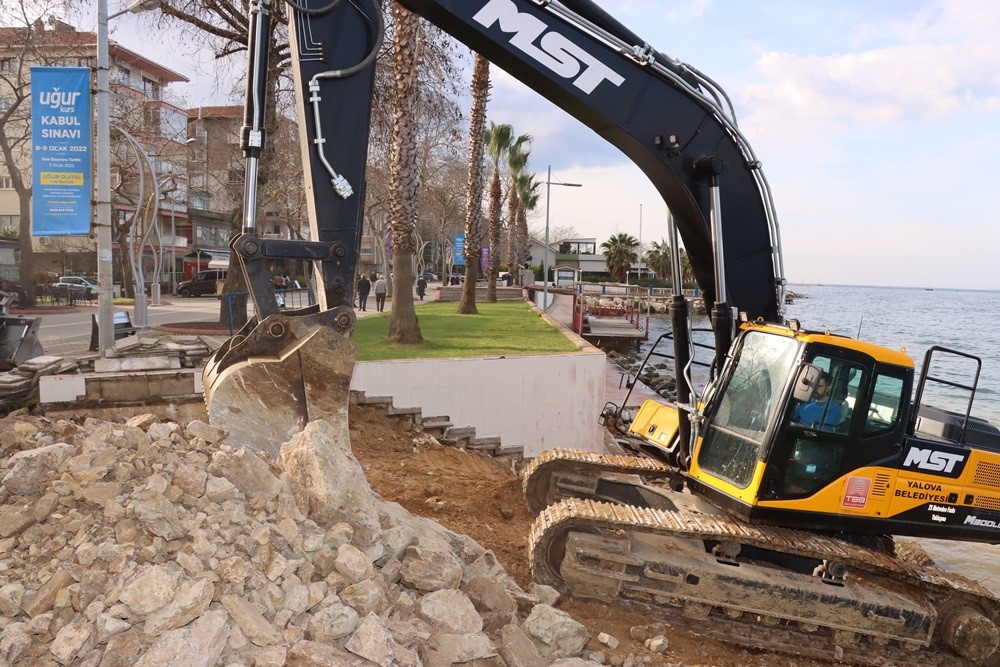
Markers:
19,340
288,371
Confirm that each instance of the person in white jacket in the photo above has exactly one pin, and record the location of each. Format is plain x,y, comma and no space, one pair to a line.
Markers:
381,289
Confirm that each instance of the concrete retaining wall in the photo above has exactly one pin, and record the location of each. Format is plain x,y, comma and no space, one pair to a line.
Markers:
537,402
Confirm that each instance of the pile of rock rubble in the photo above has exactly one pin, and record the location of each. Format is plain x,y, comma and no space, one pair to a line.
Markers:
149,543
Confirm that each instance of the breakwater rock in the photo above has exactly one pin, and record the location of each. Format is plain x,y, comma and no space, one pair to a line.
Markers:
152,543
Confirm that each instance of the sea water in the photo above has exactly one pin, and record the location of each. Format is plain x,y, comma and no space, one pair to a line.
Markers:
901,318
913,320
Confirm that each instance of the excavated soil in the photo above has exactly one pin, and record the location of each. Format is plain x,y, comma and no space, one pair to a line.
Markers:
481,497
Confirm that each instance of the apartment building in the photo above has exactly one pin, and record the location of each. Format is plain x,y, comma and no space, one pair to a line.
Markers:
143,108
217,173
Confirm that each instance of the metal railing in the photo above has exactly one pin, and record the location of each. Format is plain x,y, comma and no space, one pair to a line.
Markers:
288,299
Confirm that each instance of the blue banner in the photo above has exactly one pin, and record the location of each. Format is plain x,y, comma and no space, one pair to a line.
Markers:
459,245
61,150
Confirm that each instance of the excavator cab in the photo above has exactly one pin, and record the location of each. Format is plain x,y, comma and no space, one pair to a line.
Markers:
811,429
795,411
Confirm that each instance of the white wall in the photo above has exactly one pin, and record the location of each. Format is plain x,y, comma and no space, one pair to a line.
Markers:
537,402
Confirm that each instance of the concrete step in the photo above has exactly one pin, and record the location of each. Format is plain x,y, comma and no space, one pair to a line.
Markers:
488,445
439,424
510,451
393,411
374,400
455,435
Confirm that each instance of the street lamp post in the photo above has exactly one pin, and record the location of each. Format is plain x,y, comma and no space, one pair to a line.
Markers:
640,245
105,272
545,260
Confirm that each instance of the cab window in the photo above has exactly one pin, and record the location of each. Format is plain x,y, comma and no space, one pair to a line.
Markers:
884,411
201,276
752,394
817,439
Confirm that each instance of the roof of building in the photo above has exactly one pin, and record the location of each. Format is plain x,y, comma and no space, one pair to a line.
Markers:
63,35
231,111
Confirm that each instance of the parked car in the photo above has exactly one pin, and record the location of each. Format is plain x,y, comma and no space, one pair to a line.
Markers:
429,276
77,287
203,282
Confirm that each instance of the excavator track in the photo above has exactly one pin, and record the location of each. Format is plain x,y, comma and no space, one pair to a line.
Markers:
856,605
556,474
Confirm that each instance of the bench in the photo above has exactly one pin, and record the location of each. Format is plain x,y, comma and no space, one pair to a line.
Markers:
123,328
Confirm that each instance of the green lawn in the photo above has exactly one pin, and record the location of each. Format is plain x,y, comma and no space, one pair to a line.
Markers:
508,328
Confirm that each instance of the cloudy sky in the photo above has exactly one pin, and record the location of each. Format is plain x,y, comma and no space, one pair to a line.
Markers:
877,124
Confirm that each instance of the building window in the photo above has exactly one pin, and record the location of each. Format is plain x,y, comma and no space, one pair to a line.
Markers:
6,103
6,183
237,175
10,221
6,64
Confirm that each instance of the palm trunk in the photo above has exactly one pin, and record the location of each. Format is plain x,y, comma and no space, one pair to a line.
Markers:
403,173
513,205
494,231
474,183
522,242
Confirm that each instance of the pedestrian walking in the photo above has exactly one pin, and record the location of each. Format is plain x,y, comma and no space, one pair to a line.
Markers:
421,287
364,287
381,289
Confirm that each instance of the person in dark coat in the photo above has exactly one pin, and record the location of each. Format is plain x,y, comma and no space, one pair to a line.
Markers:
364,287
421,287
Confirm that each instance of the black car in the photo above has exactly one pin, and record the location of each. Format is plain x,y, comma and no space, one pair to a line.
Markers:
203,282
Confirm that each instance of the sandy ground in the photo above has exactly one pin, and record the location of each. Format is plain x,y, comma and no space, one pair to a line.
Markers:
481,497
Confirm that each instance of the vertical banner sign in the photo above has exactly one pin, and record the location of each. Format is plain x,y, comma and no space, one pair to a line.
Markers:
61,148
484,259
459,245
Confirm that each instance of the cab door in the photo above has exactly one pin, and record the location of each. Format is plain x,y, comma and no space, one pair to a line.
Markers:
847,466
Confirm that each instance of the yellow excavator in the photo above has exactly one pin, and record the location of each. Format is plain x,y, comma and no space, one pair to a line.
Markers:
765,502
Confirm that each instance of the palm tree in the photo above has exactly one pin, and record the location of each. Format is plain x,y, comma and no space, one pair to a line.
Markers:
517,162
403,175
620,254
474,183
527,195
687,271
499,139
658,259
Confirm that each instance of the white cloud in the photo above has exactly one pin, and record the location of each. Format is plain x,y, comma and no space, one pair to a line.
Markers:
691,9
931,64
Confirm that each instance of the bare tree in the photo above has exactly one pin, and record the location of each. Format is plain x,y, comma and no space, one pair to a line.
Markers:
19,43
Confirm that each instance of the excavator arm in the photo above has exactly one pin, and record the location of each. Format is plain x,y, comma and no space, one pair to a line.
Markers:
666,117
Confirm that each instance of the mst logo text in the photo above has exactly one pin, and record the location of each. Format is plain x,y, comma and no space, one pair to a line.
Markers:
554,51
932,460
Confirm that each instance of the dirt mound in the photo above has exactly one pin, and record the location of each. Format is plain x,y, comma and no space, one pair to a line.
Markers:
481,498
